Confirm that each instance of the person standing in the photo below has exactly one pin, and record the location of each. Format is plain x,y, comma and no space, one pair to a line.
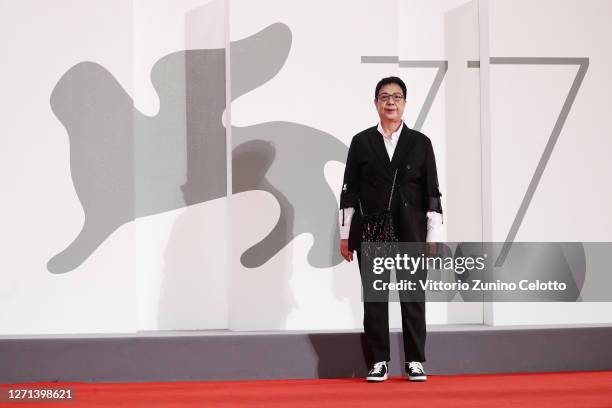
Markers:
374,156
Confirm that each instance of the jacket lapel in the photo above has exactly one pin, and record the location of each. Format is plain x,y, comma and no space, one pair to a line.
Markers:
378,146
404,144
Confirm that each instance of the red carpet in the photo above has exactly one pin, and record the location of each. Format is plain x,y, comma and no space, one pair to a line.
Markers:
541,390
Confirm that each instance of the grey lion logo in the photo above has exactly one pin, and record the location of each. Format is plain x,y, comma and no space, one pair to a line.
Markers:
125,164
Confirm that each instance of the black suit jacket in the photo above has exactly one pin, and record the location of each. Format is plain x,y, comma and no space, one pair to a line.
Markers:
368,178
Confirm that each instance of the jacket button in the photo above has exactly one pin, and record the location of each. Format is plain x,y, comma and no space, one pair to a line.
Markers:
405,204
408,167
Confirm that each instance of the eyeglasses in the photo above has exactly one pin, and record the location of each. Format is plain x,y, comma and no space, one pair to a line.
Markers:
397,97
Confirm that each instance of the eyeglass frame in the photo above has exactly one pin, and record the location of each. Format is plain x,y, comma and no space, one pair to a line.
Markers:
397,97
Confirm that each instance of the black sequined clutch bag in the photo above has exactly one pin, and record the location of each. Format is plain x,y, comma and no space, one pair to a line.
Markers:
378,235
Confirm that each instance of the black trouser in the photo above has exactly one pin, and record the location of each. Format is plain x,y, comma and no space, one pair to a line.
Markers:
376,326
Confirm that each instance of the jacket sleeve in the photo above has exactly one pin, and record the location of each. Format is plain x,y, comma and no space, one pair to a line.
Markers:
346,216
349,195
433,192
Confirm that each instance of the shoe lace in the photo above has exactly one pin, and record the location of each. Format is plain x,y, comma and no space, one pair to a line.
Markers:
416,366
378,367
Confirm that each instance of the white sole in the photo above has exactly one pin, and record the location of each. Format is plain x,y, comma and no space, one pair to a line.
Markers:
417,378
376,379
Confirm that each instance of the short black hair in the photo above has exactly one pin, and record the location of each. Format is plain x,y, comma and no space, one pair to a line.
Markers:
390,80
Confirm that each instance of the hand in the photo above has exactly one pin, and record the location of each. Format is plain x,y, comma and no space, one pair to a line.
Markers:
431,249
344,250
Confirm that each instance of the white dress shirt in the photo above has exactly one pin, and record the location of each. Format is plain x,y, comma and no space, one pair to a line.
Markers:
434,219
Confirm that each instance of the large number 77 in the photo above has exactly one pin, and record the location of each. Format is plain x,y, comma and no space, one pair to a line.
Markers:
442,67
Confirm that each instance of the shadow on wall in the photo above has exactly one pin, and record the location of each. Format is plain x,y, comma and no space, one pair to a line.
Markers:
126,165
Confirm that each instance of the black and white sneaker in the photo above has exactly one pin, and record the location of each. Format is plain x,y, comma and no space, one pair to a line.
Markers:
378,373
415,371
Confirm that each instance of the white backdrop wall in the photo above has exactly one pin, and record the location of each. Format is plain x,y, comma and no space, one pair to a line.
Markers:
118,110
181,253
41,213
571,200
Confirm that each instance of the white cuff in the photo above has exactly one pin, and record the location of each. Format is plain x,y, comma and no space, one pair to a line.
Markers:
434,227
346,215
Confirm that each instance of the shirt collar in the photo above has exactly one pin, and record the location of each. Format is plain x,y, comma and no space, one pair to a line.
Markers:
395,135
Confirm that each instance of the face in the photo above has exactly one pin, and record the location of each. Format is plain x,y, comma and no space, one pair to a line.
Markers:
390,110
